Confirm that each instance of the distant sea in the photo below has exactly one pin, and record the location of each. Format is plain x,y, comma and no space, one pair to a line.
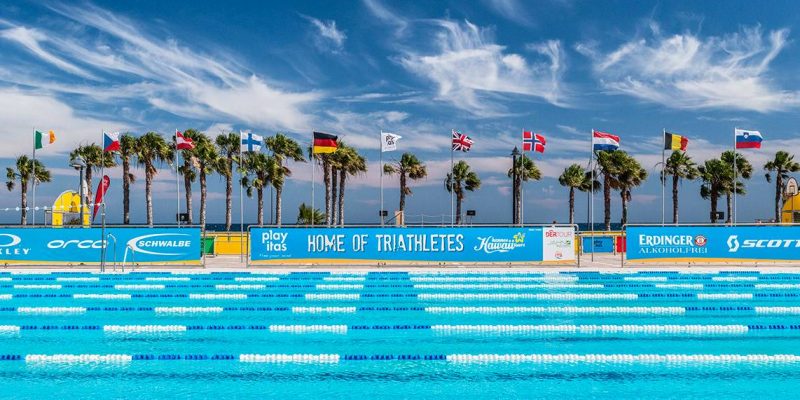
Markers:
235,227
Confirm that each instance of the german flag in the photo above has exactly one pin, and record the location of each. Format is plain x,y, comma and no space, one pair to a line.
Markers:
324,143
674,141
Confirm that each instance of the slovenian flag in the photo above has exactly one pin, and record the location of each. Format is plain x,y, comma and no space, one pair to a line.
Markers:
602,141
746,139
110,141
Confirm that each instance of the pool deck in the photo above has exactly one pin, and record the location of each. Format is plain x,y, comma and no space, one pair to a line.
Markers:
601,263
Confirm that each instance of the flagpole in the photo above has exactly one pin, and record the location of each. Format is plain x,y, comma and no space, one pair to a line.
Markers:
102,164
313,182
33,180
380,172
241,199
452,215
522,184
663,178
177,183
591,202
733,217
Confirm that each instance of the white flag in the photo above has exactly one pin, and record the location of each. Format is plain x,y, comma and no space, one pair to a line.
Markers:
389,141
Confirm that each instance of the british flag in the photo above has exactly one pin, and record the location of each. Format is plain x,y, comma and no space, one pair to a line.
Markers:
533,142
461,142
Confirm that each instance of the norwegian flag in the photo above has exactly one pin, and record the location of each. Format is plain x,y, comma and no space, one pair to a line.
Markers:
461,142
533,142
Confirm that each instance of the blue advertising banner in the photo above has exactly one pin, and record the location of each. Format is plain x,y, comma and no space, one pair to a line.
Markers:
462,244
765,243
602,244
84,245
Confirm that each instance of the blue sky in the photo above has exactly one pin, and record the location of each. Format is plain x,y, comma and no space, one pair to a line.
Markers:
418,69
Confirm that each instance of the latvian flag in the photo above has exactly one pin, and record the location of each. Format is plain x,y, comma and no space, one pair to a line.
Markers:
324,143
533,142
748,139
602,141
673,141
110,141
183,142
461,142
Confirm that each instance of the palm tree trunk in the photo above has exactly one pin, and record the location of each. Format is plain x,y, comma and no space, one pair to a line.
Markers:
623,195
228,194
675,199
278,191
778,187
148,186
88,178
607,201
203,191
519,200
571,205
729,219
326,177
260,193
187,185
334,194
126,191
23,188
342,179
459,198
714,197
402,193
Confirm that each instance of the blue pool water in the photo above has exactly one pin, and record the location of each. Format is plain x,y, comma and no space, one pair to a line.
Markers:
412,334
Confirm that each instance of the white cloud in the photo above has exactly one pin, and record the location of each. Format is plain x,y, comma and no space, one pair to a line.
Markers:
329,32
512,10
688,71
468,65
141,67
386,16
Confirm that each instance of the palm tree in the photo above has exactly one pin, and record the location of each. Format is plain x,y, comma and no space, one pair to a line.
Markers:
188,171
263,169
610,165
409,167
349,163
576,177
631,176
151,148
207,160
325,160
127,150
23,172
283,148
460,179
743,170
781,165
525,169
715,174
680,166
94,157
228,145
307,216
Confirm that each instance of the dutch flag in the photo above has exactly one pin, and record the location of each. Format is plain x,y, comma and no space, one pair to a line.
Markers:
746,139
602,141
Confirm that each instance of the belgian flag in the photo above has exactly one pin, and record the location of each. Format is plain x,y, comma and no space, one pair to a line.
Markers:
325,143
674,141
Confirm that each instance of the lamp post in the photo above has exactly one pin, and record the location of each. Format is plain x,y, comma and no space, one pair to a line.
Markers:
79,163
514,194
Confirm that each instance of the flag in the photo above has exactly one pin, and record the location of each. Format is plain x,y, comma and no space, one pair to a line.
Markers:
389,141
42,140
110,141
748,139
102,188
673,141
461,141
250,142
602,141
533,142
324,143
183,142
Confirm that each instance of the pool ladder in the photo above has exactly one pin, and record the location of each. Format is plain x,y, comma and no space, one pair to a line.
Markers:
105,253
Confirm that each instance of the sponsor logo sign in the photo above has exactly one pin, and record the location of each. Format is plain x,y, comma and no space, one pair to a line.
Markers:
85,245
710,242
461,244
558,243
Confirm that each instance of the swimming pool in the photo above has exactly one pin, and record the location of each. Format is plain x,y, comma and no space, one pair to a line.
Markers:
406,334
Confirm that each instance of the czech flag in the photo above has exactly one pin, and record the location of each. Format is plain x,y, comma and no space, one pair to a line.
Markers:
110,141
533,142
602,141
748,139
324,143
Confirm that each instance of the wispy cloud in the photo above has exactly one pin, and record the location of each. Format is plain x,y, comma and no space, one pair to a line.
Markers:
31,40
386,16
513,10
689,71
468,65
328,33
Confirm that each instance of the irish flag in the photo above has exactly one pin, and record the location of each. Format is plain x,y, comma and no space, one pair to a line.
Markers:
42,140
